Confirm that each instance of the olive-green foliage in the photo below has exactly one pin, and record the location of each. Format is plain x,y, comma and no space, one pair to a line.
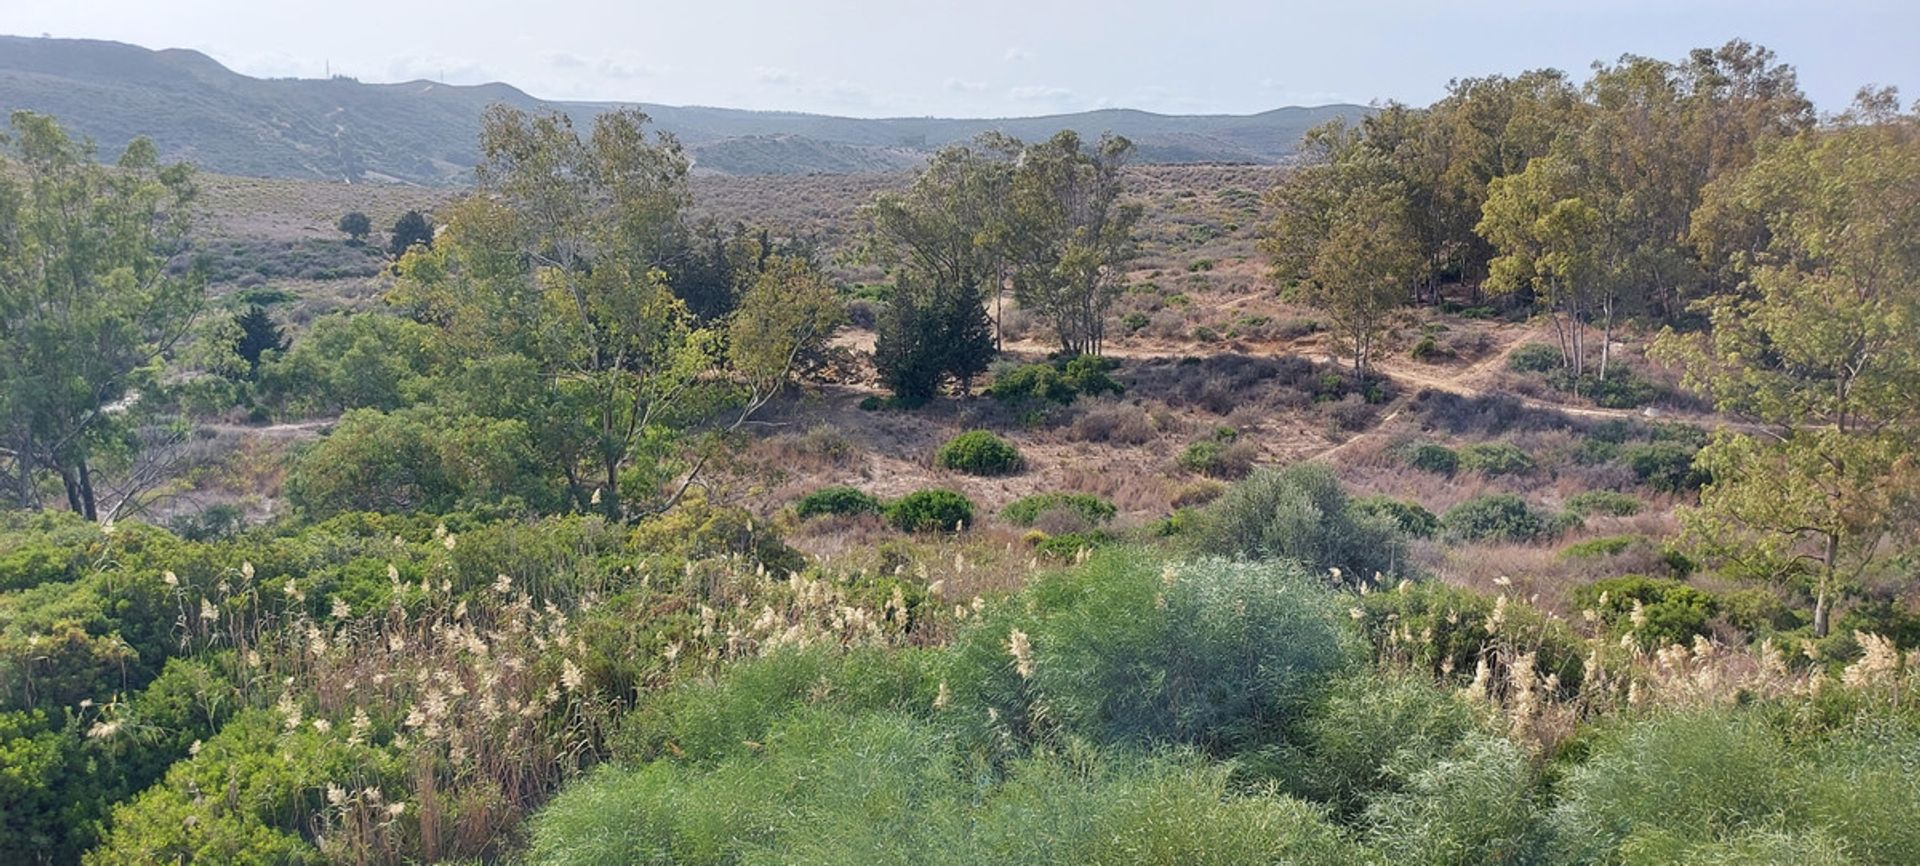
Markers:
1495,458
934,510
1673,612
1494,517
1711,785
1090,508
1429,457
419,459
1665,465
44,547
1218,457
1368,734
349,362
1447,630
1301,513
1600,548
1534,358
1412,518
1219,654
888,788
979,452
1059,382
838,499
1587,503
998,749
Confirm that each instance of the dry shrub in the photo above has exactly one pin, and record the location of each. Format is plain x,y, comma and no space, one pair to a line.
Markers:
1115,422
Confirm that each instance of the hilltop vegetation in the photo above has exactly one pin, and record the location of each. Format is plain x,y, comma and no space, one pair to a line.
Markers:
1526,478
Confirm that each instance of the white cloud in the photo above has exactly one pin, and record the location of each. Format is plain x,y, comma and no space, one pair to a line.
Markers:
1039,93
958,85
1015,54
774,75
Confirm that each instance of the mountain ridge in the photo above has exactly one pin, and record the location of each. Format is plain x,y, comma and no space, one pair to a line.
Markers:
424,132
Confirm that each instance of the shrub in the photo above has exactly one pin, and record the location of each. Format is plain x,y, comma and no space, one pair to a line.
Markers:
1670,612
1114,422
1495,458
1493,517
1535,358
1600,548
1220,455
934,510
1300,513
1591,502
1665,465
1429,457
838,499
1069,545
1217,654
1410,517
1031,383
1371,731
1092,509
979,452
1622,390
1444,630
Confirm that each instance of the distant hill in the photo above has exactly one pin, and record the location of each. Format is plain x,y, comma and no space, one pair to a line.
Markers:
424,132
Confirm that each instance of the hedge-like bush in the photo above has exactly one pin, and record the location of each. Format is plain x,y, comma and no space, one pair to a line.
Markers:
1493,517
838,499
934,510
1438,459
1495,458
979,452
1024,512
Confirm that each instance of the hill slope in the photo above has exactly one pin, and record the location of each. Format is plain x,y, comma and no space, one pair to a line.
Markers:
424,132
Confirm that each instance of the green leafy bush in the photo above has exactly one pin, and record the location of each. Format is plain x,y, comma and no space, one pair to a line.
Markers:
1301,513
1535,358
1429,457
1447,630
1411,517
1220,455
1493,517
1061,382
1600,548
838,499
1607,502
1669,611
935,510
1090,508
1495,458
1665,465
979,452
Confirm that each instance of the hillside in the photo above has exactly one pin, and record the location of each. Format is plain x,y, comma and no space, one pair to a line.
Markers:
424,132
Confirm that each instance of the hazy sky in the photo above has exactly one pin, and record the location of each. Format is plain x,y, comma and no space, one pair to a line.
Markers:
990,57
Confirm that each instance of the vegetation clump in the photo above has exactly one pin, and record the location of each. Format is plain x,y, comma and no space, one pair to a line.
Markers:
935,510
979,452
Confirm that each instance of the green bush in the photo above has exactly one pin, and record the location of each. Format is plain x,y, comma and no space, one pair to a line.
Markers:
1671,612
1429,457
1535,358
1090,508
1031,383
934,510
1493,517
1411,517
1370,732
1600,548
1495,458
1591,502
1474,804
1445,631
1665,465
979,452
1301,513
1714,785
1217,654
839,499
1220,455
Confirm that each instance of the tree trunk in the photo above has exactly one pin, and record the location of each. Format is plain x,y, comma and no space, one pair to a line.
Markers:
92,509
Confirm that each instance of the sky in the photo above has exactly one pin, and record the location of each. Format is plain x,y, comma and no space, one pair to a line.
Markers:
875,58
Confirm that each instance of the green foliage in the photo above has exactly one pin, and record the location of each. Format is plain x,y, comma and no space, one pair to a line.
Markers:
1448,631
838,499
1089,508
418,459
412,229
1666,466
1431,457
1301,513
1062,383
1494,517
350,362
1411,517
934,510
1588,503
979,452
1495,458
259,334
1535,358
1712,784
1656,612
355,225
